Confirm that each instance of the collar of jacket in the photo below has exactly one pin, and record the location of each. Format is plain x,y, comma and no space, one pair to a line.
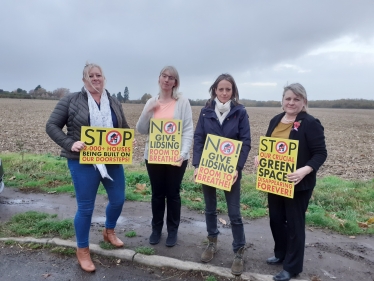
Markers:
210,109
300,116
83,91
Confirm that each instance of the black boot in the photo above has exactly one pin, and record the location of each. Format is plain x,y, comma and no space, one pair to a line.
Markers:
155,237
172,238
156,232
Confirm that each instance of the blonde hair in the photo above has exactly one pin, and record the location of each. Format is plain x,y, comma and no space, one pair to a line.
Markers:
86,73
173,71
299,91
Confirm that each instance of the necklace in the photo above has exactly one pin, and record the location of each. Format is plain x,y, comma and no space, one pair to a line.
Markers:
289,121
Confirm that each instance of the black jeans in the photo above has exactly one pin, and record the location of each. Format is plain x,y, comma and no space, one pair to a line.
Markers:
233,207
165,182
287,223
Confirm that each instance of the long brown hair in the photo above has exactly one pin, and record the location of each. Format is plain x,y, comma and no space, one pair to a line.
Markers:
235,91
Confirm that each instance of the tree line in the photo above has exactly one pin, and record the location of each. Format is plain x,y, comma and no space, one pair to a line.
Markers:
41,93
342,103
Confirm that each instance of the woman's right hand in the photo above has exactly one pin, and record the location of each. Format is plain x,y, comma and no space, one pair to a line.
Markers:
78,146
153,105
256,161
195,174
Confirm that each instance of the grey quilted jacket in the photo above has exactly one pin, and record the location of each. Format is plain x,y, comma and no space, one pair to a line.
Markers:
72,111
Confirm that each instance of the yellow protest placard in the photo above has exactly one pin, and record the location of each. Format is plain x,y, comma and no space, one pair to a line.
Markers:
165,138
106,145
277,158
218,162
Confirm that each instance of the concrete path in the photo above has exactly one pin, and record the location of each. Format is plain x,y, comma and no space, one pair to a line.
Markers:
153,260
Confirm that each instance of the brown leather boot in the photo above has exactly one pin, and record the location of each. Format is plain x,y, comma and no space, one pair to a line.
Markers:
84,259
110,236
210,250
238,263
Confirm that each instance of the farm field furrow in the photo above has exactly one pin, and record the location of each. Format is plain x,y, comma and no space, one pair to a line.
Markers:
349,134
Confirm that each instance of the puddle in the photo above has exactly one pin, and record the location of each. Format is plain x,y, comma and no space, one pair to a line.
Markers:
37,204
101,220
200,224
16,201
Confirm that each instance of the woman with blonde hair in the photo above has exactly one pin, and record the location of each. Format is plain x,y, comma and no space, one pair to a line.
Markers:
287,215
166,179
92,106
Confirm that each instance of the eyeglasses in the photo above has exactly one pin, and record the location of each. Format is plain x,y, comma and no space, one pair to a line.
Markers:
171,78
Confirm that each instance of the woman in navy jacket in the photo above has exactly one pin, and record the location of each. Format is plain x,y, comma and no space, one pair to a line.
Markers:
287,215
225,117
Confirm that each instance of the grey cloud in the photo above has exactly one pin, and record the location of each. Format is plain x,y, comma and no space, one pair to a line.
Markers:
48,42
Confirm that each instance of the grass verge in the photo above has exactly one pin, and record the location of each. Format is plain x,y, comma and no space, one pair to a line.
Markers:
340,205
145,250
130,234
38,225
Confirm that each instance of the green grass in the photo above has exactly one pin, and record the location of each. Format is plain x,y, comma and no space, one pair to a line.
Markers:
341,205
34,246
106,245
337,204
130,234
37,224
63,251
145,250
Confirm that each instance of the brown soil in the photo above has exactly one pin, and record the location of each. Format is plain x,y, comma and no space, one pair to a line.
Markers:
349,134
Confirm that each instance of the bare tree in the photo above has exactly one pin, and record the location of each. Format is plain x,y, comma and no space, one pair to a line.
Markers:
145,97
60,92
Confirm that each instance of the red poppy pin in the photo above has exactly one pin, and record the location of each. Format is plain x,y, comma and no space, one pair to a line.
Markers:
296,125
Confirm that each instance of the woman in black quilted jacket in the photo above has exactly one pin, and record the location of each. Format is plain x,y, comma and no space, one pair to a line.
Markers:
92,106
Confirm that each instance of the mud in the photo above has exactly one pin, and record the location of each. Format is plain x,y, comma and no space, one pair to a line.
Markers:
328,256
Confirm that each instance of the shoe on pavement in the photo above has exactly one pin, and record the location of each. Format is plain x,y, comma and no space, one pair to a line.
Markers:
274,260
171,240
155,237
238,263
283,276
210,250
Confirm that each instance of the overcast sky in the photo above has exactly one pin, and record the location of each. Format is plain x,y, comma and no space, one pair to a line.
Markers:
326,45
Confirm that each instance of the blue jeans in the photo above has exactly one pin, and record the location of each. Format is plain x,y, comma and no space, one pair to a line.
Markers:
233,207
86,181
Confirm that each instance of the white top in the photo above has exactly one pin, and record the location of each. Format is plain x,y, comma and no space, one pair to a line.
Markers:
182,112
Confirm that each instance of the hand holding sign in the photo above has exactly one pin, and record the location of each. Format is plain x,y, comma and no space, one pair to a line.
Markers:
299,174
165,139
217,166
105,145
78,146
178,162
276,165
235,177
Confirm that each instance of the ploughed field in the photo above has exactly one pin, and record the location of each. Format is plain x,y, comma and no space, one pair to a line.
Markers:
349,134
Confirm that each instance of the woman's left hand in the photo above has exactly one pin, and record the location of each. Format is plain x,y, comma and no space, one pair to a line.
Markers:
299,174
178,162
235,177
